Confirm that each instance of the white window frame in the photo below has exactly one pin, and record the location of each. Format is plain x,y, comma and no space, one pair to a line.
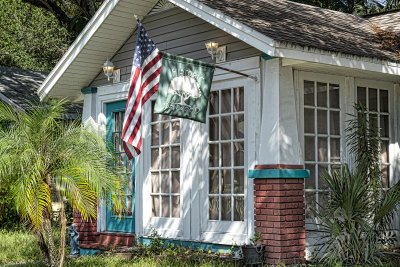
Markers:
166,227
324,78
392,118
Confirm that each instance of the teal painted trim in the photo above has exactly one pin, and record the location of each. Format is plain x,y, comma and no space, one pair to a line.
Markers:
88,252
266,57
115,223
89,90
279,173
190,245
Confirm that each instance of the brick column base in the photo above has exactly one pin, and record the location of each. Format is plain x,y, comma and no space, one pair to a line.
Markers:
279,212
87,230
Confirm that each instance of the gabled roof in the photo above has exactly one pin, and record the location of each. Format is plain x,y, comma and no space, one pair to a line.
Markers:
18,87
309,26
273,27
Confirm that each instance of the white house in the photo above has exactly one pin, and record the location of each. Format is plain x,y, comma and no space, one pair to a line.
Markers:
191,183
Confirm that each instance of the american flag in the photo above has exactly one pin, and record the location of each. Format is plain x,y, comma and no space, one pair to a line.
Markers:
145,76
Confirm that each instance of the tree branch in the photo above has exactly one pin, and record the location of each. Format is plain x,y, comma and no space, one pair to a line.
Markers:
54,7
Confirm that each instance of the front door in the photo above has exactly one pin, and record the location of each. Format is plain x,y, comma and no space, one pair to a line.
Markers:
115,222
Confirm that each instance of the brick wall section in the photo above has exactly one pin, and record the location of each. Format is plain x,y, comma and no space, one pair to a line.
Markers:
87,230
280,216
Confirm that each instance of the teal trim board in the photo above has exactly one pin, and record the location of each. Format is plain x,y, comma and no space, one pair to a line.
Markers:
89,90
266,57
190,245
88,252
114,222
279,173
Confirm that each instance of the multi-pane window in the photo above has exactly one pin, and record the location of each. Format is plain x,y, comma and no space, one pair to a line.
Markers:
322,130
123,161
165,166
377,102
226,155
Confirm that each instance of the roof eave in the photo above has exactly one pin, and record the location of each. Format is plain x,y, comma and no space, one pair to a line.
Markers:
76,47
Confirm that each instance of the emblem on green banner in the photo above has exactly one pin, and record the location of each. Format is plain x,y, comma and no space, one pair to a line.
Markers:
184,88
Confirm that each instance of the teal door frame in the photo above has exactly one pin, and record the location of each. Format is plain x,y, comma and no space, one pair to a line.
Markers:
114,222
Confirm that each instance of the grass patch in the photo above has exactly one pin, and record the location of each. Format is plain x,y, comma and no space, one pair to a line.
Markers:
18,246
145,261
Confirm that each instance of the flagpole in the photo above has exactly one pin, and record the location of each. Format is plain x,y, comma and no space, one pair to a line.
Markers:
233,71
237,72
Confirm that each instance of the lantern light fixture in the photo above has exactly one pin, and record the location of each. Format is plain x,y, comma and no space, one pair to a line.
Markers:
219,53
110,72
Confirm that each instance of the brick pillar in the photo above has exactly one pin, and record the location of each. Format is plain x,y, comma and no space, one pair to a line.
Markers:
87,231
279,212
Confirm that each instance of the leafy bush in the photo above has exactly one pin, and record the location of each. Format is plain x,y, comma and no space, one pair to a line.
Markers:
8,215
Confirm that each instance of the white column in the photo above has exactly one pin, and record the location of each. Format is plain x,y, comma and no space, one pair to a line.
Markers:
269,134
279,136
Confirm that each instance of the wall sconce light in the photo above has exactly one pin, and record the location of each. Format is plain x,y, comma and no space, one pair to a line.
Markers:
218,52
109,71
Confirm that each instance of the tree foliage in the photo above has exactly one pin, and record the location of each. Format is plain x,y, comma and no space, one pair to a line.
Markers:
29,37
35,34
358,7
71,14
46,159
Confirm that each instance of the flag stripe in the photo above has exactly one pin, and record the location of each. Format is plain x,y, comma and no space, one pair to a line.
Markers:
145,76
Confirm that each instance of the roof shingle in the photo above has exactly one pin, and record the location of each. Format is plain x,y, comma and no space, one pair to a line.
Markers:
306,25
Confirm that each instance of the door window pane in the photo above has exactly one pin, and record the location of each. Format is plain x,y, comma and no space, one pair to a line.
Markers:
176,207
226,206
322,149
384,103
239,208
322,137
213,204
322,95
165,166
226,182
308,93
226,101
122,161
308,120
165,207
214,103
155,183
155,206
373,99
238,180
362,95
378,107
322,120
309,145
238,101
334,100
334,122
226,174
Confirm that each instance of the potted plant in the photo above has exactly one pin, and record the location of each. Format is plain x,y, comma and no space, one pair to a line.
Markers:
253,253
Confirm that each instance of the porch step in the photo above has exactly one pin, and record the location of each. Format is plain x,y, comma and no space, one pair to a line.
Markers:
120,239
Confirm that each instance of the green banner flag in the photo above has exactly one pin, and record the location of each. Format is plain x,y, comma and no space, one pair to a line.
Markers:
184,88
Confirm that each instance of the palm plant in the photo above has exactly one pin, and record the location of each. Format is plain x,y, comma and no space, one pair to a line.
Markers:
46,159
357,218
